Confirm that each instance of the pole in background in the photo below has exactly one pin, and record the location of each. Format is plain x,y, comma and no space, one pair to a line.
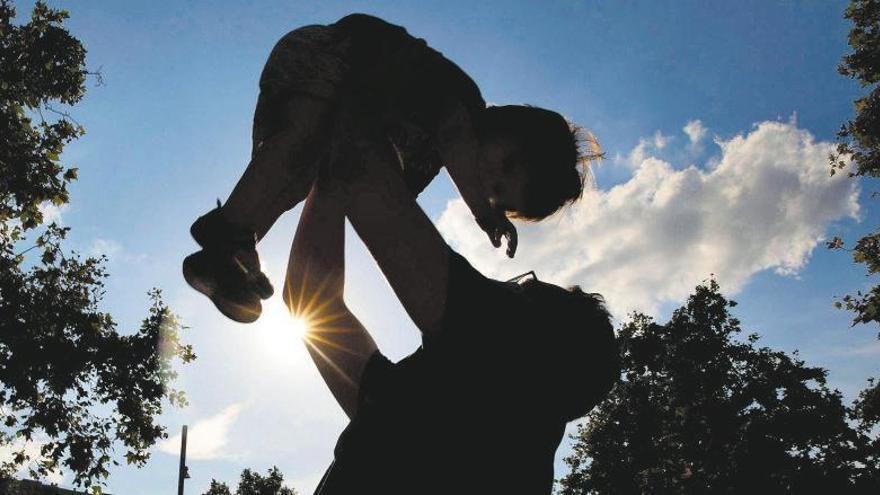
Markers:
183,472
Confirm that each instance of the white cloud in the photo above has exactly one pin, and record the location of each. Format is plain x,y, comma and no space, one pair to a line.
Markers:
638,154
642,150
207,438
695,131
107,247
660,141
869,350
51,212
764,205
115,251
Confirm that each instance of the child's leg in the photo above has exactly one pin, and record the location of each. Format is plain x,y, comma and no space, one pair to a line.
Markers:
283,165
279,176
299,87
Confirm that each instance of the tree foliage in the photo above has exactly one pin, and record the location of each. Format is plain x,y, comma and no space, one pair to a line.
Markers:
218,488
699,410
859,139
40,64
71,385
252,483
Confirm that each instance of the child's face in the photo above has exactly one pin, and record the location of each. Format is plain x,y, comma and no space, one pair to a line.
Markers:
504,175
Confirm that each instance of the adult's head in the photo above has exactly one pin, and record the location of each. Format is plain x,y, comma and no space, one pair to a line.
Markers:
577,344
532,162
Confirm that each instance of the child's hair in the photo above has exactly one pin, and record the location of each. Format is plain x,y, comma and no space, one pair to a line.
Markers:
556,155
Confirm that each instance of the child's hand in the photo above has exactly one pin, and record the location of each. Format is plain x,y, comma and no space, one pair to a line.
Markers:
496,226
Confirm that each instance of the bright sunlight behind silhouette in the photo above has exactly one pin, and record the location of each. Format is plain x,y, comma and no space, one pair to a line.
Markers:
279,332
277,318
298,326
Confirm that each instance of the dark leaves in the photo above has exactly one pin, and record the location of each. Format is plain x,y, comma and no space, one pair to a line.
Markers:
701,410
69,380
39,63
253,483
60,357
859,140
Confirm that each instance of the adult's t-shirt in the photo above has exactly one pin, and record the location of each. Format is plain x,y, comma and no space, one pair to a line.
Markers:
476,410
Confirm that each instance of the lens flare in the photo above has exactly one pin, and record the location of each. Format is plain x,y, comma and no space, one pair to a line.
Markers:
280,334
277,318
298,326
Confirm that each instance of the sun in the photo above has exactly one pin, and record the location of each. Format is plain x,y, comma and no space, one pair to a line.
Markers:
298,326
278,327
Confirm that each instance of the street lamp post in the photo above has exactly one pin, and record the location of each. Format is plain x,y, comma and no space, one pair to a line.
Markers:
183,471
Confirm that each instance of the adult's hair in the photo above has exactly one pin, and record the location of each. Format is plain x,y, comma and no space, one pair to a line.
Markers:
550,148
578,345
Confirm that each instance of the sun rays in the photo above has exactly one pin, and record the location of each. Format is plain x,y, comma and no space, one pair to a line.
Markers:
315,306
277,319
316,301
305,320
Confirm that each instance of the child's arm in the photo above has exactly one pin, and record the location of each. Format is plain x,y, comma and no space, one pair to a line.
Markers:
460,152
338,343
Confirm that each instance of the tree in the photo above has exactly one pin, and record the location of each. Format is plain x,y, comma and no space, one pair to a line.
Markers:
252,483
699,411
218,488
859,139
70,383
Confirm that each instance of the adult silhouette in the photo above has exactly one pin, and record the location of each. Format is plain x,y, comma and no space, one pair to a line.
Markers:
482,405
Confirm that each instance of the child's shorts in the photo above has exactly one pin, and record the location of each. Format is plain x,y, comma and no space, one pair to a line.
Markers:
309,61
313,62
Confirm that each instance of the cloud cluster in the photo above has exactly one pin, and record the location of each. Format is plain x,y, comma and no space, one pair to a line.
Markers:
642,150
764,203
105,247
695,131
52,212
207,438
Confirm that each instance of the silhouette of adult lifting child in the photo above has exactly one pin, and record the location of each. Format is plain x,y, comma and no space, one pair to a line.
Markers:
327,93
357,117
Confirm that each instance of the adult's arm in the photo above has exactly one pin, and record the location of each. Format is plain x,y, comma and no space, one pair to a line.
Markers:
441,98
338,343
402,239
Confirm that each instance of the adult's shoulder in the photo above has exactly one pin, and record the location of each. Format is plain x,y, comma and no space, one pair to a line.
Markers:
475,300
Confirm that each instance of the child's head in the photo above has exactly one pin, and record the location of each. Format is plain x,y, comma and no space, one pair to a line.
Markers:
532,162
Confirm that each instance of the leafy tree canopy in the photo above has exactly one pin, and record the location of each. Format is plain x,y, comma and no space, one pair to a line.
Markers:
252,483
859,139
699,410
40,64
70,382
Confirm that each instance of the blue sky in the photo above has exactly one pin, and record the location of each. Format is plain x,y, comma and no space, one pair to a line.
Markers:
745,195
